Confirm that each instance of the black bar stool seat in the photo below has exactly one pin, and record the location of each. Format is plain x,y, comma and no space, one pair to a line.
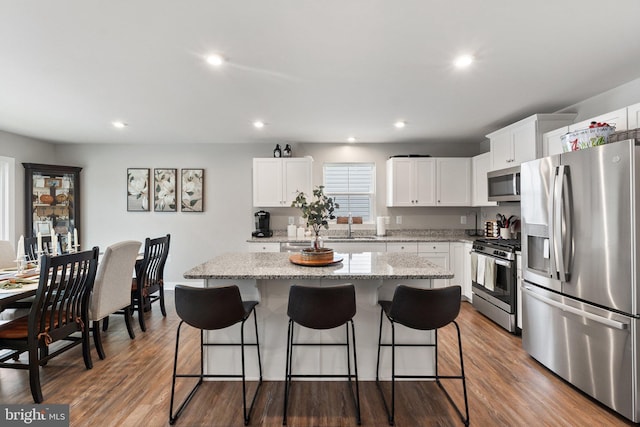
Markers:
212,309
426,310
322,308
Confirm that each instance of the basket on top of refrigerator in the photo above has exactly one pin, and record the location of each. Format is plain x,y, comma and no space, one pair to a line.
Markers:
596,134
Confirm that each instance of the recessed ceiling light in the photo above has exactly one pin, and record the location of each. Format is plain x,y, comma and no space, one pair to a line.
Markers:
119,125
400,124
463,61
259,124
215,60
352,139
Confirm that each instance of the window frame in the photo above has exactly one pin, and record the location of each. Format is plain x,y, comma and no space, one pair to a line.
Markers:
7,198
371,195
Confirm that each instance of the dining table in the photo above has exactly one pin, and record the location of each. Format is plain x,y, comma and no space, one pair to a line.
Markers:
16,284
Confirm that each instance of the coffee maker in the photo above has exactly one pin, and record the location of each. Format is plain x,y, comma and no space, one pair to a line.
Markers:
262,225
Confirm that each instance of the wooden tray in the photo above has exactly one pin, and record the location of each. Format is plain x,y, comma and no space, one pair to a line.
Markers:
297,259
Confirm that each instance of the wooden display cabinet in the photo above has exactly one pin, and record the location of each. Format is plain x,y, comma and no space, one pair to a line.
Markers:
52,200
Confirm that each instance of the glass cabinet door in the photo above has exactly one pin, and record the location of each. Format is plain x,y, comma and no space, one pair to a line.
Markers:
52,202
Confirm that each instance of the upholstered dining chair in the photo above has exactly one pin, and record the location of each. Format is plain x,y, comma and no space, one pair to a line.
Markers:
7,254
148,285
59,311
112,288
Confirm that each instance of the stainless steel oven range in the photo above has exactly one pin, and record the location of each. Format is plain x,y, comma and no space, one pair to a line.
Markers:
494,280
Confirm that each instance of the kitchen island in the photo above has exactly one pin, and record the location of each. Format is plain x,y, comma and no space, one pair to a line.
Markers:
266,277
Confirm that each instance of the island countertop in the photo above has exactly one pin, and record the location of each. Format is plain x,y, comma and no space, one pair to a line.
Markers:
354,266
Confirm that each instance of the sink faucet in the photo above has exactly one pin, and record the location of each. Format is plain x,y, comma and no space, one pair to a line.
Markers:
349,222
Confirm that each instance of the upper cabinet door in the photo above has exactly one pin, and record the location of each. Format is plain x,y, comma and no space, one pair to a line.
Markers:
633,116
501,150
454,181
425,182
524,142
267,182
400,182
296,177
552,141
480,165
617,118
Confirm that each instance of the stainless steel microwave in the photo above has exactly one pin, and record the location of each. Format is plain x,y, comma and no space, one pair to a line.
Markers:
504,185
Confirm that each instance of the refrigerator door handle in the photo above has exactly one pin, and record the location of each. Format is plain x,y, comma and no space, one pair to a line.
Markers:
581,313
558,211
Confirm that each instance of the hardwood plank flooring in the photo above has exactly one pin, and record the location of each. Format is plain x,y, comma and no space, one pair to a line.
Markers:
132,386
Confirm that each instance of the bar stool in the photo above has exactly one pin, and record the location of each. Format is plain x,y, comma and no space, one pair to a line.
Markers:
322,308
422,309
212,309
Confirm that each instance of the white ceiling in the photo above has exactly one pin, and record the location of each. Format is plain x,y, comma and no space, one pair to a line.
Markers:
315,71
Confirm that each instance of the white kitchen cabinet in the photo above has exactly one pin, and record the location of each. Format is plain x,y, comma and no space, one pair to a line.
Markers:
407,247
480,165
519,291
633,117
522,141
428,181
263,247
466,288
276,181
453,183
437,253
411,181
457,261
552,141
617,118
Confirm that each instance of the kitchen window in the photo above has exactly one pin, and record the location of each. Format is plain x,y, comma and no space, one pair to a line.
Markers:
352,185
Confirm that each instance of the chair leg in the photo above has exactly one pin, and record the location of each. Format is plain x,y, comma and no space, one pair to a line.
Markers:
162,308
97,339
86,346
465,417
390,412
105,324
128,320
141,312
287,375
393,375
34,374
355,370
173,417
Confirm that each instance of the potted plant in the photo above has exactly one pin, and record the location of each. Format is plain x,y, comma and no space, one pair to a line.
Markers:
317,212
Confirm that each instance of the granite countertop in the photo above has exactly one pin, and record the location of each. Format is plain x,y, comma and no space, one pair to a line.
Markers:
417,236
354,266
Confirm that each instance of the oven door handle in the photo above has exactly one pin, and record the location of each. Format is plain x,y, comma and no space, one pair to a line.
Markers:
503,263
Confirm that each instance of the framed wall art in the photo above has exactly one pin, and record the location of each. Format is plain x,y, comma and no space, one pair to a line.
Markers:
192,190
138,190
164,186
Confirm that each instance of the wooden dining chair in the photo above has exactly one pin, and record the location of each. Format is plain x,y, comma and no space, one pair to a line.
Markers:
59,311
111,291
148,285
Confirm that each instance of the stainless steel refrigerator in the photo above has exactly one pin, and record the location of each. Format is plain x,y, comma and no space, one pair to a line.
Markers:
580,291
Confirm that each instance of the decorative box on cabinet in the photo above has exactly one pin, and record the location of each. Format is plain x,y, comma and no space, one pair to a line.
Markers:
276,181
522,141
480,165
52,200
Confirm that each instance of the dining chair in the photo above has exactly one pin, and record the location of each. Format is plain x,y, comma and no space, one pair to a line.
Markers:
7,254
425,310
112,288
59,311
31,247
148,285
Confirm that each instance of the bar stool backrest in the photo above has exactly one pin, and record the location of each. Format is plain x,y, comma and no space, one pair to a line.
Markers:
209,308
425,309
322,307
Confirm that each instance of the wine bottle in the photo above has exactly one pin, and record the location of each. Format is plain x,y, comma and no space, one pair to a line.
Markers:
277,152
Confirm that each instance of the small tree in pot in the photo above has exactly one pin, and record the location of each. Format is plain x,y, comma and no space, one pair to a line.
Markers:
317,212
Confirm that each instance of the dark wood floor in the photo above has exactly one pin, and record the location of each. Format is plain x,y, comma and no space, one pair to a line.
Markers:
132,387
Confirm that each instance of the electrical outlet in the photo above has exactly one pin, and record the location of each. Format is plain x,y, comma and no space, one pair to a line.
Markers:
463,219
399,219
